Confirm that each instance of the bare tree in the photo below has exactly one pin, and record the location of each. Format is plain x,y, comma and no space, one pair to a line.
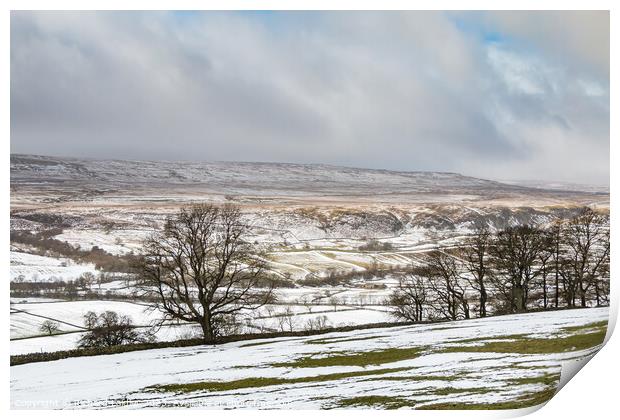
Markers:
448,292
474,255
334,301
554,238
86,280
49,327
587,252
409,300
306,302
286,320
317,324
569,282
546,263
601,284
202,268
515,258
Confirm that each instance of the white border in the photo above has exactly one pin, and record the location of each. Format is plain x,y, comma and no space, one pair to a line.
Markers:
592,394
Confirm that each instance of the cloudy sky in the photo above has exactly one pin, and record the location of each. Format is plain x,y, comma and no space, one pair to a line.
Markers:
501,95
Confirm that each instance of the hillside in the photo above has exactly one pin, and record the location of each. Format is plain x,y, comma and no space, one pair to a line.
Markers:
244,177
501,362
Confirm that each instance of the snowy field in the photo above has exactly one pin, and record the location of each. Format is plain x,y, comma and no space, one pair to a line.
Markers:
70,339
26,319
311,221
499,360
116,242
27,315
39,268
72,312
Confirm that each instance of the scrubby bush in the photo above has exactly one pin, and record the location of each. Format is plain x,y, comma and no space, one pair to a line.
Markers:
111,329
375,245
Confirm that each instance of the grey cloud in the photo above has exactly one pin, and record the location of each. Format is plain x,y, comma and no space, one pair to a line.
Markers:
407,91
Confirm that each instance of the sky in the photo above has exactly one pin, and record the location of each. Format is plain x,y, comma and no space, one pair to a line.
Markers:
498,95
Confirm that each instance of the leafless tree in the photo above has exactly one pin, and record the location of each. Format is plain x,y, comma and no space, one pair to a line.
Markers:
286,320
334,301
474,255
202,269
408,301
448,292
49,327
317,324
554,238
270,311
601,285
546,264
569,282
515,259
587,253
306,302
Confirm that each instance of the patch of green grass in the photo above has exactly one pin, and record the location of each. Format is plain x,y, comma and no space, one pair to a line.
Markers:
527,400
377,401
259,343
535,345
600,325
260,382
450,391
420,378
497,337
218,386
374,357
336,340
523,367
452,327
549,379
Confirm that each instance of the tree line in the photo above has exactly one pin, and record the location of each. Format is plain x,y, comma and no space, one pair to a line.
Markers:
201,268
519,268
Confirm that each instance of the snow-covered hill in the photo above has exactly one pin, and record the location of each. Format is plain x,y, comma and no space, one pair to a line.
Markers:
513,360
245,177
313,210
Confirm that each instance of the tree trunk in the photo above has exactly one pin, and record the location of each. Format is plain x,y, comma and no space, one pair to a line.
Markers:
418,313
557,279
208,334
483,301
582,294
518,298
